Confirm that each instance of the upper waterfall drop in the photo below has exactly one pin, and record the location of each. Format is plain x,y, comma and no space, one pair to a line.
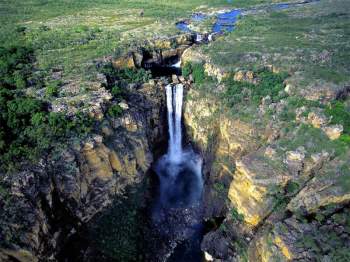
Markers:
174,95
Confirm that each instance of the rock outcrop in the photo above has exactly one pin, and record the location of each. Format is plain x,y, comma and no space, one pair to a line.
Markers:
46,203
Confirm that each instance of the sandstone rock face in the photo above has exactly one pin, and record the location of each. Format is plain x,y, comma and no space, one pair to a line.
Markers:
333,131
46,203
215,71
329,186
245,76
221,140
152,52
251,190
193,55
91,103
124,62
317,119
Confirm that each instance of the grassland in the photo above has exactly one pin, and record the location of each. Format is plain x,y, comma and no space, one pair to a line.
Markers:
313,40
68,35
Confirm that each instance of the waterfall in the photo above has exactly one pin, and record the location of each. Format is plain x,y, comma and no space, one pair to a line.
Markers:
199,38
174,95
177,210
177,65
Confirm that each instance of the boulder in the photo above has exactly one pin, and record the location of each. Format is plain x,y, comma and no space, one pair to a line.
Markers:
126,61
251,188
329,186
333,131
317,119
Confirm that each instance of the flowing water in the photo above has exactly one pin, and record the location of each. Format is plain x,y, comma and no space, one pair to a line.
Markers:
176,213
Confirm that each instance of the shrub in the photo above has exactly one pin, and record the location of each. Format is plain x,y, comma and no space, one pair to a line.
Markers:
187,69
114,111
339,115
27,129
15,66
126,75
236,216
117,92
118,232
292,187
269,84
52,88
345,139
198,73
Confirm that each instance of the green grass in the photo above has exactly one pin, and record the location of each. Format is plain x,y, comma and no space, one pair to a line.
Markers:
69,35
313,39
314,140
117,233
236,216
339,114
27,127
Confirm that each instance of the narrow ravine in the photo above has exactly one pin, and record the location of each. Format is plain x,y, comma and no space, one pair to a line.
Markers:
176,211
174,224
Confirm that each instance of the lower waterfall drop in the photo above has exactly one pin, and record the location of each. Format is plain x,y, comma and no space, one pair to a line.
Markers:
177,211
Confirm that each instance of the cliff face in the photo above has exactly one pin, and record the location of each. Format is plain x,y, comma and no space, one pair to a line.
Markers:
47,203
221,139
279,194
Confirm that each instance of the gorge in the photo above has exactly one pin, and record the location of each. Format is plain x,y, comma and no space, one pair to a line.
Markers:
207,145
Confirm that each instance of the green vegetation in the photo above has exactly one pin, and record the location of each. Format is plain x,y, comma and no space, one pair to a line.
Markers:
114,111
339,115
325,241
236,216
313,139
292,187
244,93
241,248
71,34
118,232
126,76
52,88
27,127
197,71
117,92
280,198
187,69
312,39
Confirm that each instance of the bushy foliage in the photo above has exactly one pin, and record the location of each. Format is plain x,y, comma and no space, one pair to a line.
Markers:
118,233
52,88
117,92
27,129
197,71
187,69
114,111
126,75
243,92
15,67
236,215
339,115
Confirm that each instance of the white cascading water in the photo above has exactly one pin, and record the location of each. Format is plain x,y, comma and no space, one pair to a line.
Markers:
177,65
174,99
199,38
169,100
177,211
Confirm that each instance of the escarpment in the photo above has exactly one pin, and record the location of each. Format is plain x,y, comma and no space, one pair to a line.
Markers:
49,202
223,143
275,189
